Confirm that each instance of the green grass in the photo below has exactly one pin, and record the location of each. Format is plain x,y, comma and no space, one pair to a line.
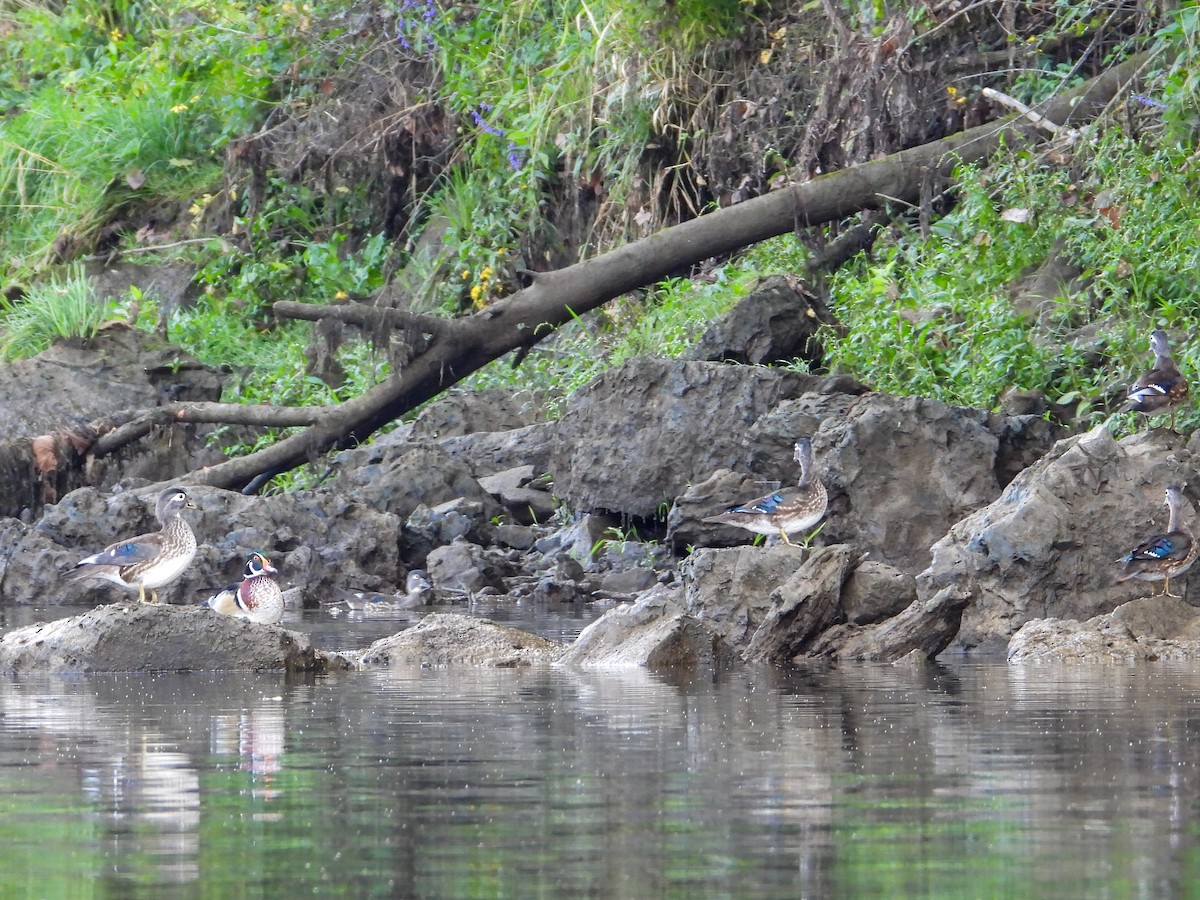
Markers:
114,105
62,306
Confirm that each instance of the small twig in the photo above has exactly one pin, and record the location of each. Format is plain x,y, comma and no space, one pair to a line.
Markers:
1069,134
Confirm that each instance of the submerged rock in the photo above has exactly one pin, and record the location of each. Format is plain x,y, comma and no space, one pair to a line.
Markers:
133,637
1150,629
654,633
445,639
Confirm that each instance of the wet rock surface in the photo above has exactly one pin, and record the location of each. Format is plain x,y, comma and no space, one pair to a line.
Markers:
132,637
948,530
446,639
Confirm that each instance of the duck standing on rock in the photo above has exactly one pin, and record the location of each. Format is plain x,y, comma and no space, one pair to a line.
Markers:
1161,390
1163,556
148,560
786,510
258,598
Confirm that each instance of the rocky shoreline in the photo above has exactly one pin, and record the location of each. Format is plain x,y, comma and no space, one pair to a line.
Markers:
948,530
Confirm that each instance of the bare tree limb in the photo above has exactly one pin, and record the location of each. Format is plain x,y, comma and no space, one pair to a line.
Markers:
362,314
554,298
121,429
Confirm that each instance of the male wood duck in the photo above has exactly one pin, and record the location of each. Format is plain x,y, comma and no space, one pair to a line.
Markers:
1163,556
786,510
148,561
258,598
1161,390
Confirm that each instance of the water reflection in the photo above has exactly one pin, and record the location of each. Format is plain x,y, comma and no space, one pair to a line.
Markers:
866,781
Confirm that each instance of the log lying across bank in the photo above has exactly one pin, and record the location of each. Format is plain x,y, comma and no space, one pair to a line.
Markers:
448,350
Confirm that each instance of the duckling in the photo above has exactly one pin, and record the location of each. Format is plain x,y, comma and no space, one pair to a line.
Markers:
1162,557
148,561
787,510
1161,390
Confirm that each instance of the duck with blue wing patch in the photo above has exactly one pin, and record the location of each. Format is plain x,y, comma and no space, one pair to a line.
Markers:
148,561
786,510
1162,557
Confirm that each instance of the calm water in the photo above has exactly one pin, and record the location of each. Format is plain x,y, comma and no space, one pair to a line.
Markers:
963,781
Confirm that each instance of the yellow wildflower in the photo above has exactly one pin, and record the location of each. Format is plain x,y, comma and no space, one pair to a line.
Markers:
179,107
340,295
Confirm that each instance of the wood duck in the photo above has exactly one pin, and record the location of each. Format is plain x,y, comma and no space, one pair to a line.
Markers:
258,598
148,561
1161,390
417,592
1162,557
786,510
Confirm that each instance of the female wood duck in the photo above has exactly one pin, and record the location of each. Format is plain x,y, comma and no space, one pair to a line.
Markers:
790,509
258,598
1161,390
148,561
1163,556
417,592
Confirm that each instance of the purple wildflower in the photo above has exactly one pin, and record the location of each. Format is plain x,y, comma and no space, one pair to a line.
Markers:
478,115
1149,101
516,156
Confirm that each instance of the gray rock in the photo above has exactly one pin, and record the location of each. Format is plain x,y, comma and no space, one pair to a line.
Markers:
1150,629
900,471
518,537
447,639
72,384
627,581
517,490
777,322
876,591
729,591
457,413
120,369
582,540
803,606
397,478
427,529
926,628
1046,548
638,435
462,568
132,637
653,633
488,452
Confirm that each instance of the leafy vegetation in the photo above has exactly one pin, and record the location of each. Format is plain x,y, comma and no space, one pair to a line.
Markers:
119,108
62,306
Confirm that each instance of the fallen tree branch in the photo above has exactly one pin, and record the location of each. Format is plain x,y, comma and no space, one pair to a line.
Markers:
362,314
122,429
554,298
1069,134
